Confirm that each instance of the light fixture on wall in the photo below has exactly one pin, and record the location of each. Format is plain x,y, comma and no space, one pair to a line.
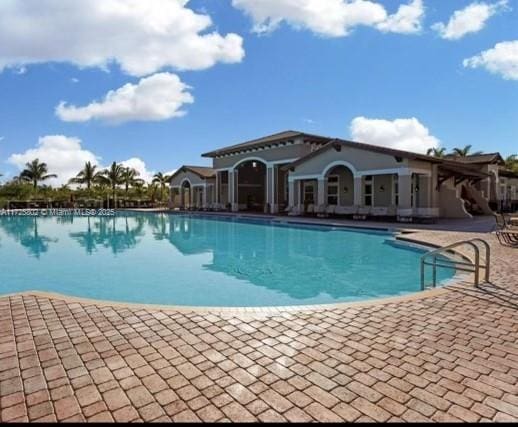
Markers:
346,190
254,164
382,188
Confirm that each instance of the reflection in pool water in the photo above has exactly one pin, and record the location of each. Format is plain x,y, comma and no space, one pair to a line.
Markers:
203,261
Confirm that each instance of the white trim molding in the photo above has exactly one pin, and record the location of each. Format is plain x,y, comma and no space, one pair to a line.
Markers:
339,163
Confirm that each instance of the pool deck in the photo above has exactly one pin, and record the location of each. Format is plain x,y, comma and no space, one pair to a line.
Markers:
442,355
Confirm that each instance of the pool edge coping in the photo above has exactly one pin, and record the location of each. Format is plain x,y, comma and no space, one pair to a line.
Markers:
398,234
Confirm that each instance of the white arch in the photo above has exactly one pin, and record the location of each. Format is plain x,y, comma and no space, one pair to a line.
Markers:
250,159
339,163
185,179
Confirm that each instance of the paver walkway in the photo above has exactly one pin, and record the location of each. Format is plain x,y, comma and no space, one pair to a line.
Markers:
452,356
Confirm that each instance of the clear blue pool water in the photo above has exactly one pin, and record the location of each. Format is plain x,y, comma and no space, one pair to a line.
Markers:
202,261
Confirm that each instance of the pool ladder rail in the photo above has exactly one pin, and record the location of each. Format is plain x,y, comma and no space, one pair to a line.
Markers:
431,259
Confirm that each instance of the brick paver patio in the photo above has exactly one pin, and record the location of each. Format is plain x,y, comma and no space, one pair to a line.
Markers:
452,356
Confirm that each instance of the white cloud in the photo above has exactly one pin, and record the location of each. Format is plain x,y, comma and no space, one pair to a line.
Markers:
407,20
471,19
158,97
74,80
401,134
2,138
140,166
141,36
64,156
502,59
332,18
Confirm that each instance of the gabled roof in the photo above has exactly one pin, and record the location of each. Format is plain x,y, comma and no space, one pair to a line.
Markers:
337,143
203,172
268,140
478,158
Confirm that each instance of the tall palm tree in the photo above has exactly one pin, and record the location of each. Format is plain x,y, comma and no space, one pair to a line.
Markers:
88,175
112,177
436,152
130,178
35,172
162,180
465,151
511,162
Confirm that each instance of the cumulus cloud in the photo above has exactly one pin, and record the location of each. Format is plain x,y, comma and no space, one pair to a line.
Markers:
141,36
140,166
332,18
501,59
64,156
401,134
471,19
158,97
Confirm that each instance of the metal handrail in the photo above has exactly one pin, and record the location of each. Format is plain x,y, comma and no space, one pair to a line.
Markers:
470,266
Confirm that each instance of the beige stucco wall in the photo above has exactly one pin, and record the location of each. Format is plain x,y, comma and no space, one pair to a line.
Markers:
382,198
361,160
345,185
288,152
451,205
192,177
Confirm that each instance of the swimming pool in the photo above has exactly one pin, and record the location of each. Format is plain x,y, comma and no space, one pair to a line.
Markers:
196,260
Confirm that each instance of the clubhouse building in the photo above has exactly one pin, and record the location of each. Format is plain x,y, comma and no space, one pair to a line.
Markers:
299,173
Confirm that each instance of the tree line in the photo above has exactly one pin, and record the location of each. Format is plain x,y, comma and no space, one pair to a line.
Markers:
116,180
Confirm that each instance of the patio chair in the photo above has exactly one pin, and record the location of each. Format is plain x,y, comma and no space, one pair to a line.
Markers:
310,210
331,209
346,210
379,211
320,211
363,213
294,211
507,237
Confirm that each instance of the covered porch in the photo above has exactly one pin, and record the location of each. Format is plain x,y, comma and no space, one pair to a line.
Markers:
342,190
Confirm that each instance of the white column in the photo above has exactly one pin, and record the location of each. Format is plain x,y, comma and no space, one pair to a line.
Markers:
205,195
236,190
275,189
358,191
270,188
216,198
321,191
291,193
298,187
231,190
405,195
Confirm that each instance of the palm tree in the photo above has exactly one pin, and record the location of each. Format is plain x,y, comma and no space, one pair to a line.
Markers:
162,180
465,151
112,177
87,176
129,178
436,152
35,172
511,162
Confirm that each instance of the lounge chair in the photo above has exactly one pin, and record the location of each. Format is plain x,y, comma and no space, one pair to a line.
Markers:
331,209
321,211
346,210
294,211
363,213
379,211
506,233
310,210
507,237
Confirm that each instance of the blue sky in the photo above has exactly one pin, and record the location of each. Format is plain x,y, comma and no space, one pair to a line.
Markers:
289,77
